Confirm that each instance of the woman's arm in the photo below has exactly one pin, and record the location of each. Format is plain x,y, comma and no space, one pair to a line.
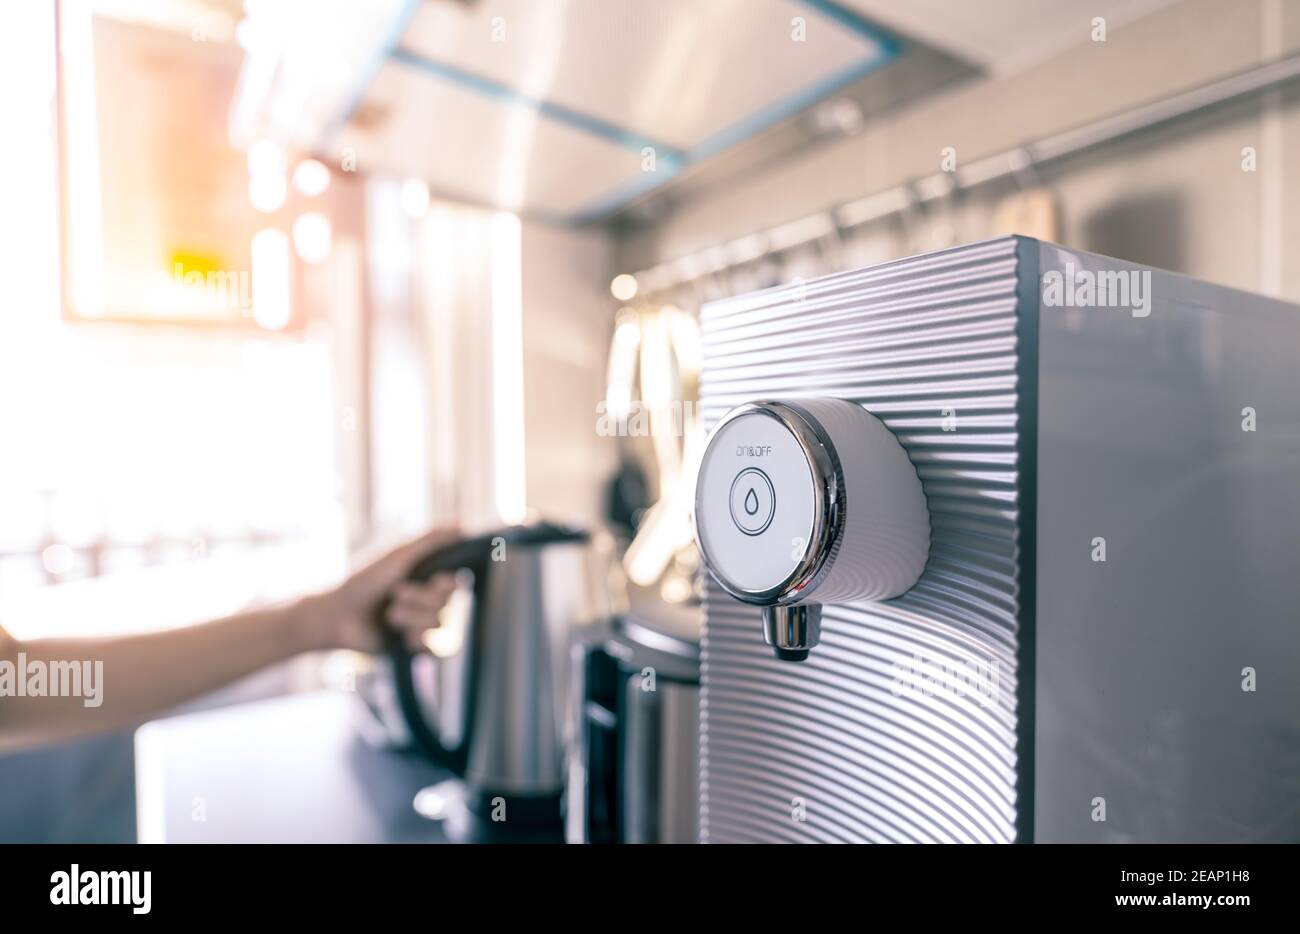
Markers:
128,679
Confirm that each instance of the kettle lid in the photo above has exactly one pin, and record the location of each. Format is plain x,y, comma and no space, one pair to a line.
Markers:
540,533
532,534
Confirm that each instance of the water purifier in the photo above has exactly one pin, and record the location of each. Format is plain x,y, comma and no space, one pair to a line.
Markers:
1028,520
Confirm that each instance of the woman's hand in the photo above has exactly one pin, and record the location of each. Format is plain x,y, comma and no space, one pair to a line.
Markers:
345,616
147,673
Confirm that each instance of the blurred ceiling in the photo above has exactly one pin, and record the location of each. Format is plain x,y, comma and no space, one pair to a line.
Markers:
609,110
1001,36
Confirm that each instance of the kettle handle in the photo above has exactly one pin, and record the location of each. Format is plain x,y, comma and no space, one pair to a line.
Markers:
468,554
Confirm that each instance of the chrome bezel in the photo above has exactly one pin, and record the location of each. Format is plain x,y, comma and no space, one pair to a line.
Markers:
828,505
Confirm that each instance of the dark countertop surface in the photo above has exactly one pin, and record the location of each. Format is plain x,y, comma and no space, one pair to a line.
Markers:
287,770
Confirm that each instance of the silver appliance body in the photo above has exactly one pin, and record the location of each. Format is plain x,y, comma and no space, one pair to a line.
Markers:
634,761
532,602
1104,645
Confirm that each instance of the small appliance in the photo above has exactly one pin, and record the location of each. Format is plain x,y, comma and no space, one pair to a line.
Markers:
1048,504
634,761
492,711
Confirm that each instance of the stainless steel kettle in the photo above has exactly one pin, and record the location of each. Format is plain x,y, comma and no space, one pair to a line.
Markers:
498,719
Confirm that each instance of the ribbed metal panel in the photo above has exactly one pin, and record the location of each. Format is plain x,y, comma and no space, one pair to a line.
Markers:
835,734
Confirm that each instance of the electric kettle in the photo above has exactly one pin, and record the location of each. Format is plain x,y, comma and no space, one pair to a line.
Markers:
494,711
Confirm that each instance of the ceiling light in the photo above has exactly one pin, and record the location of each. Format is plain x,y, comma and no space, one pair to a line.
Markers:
311,177
311,237
265,158
271,303
623,287
266,191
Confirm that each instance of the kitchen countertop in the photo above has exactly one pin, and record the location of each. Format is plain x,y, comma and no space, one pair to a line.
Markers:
287,770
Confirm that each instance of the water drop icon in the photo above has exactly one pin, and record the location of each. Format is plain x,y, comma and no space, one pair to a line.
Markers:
752,501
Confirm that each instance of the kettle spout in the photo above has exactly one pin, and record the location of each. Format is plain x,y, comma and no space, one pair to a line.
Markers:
792,630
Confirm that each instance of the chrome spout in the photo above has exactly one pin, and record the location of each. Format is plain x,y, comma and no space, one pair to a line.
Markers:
792,630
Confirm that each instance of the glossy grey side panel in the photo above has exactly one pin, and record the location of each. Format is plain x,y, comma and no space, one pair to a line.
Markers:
1140,699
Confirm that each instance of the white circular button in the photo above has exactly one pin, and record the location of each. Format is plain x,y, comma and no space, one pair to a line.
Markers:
753,501
822,506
